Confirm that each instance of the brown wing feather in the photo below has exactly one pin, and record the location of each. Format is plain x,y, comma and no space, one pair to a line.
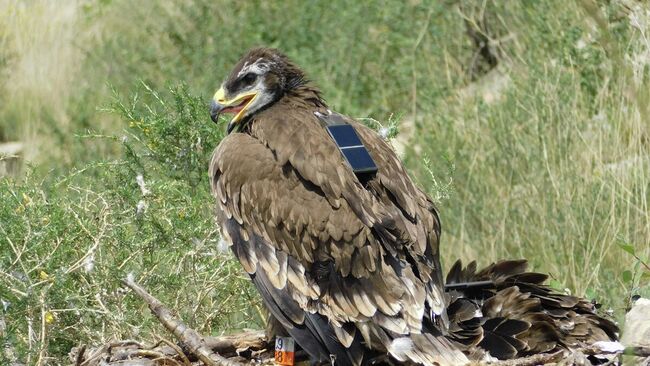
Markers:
378,247
394,183
520,315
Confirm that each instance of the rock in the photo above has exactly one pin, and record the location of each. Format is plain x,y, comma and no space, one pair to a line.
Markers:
637,325
10,158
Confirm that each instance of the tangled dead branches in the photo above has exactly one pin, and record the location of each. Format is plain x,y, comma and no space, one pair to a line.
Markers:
252,348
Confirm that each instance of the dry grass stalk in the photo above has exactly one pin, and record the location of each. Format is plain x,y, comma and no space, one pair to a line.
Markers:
208,350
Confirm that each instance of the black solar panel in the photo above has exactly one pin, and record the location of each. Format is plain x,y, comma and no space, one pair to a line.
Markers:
352,148
359,159
344,135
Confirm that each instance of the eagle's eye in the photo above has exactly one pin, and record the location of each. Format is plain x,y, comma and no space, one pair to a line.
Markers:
249,78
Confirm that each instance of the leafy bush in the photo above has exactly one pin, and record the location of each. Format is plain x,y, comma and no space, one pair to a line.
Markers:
69,240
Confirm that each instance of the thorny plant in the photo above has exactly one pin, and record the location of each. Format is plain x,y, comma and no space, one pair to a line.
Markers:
149,212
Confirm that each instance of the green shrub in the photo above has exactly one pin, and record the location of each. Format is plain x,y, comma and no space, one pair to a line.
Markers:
68,240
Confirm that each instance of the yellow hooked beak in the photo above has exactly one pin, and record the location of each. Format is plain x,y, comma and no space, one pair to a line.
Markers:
237,105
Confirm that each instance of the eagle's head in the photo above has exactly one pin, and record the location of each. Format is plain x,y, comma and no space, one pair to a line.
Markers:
259,79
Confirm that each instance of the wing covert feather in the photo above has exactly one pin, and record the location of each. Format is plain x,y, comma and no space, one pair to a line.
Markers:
377,244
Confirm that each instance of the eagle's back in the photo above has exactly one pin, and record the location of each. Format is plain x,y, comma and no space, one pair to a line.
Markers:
330,255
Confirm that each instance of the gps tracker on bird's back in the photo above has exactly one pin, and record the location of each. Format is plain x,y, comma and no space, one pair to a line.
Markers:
352,148
350,145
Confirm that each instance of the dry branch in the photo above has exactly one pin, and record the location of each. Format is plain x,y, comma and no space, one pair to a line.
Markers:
231,344
209,351
186,335
541,359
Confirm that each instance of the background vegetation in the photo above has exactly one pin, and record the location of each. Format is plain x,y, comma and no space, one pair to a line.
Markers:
527,120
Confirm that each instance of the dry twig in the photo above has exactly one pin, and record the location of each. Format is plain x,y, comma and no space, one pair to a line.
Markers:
188,336
213,351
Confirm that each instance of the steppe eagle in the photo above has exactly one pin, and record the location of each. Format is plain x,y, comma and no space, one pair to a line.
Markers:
348,263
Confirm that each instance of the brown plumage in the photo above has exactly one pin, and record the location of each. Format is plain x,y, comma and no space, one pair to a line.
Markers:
519,315
349,269
341,265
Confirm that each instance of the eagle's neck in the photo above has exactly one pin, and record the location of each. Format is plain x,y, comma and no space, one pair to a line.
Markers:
295,109
300,100
306,95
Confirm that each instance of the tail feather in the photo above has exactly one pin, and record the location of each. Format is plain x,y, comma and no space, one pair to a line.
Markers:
426,349
519,315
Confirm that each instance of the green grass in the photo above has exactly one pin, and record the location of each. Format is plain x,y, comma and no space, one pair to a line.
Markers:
547,154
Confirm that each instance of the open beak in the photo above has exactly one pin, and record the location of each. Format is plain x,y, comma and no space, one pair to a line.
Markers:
236,105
